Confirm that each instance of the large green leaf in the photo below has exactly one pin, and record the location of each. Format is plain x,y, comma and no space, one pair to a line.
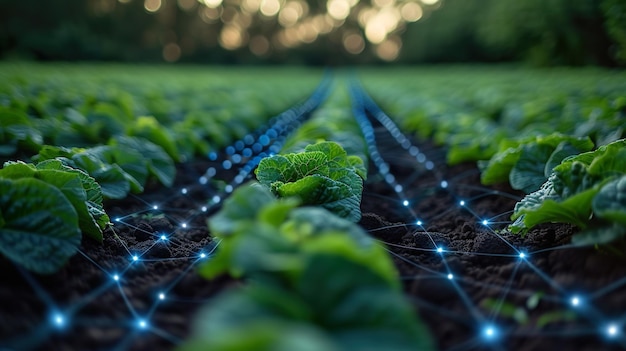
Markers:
610,203
575,210
40,230
92,190
528,173
321,175
159,163
71,186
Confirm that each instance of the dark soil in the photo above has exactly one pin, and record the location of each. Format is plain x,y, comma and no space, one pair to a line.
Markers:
483,264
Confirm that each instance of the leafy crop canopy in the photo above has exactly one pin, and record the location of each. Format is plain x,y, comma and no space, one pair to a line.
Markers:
38,224
321,175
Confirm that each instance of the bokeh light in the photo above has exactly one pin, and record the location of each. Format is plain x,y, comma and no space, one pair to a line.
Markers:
264,27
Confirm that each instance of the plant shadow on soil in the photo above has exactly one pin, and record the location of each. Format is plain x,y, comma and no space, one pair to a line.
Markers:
484,267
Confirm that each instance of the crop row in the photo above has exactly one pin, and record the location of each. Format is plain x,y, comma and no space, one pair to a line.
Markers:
556,137
315,280
108,136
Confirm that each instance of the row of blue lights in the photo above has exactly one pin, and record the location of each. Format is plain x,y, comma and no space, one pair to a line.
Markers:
490,331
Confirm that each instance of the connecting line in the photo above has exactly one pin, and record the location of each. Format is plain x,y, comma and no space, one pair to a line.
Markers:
180,277
505,292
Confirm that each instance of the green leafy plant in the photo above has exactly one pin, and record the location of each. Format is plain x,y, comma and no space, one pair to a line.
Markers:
289,254
119,168
527,163
322,175
43,210
587,190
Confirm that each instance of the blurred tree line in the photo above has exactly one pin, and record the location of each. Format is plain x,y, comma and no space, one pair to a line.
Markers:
541,32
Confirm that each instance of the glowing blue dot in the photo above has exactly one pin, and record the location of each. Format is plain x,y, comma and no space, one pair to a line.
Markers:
142,324
440,249
228,188
450,276
575,301
116,277
612,330
405,203
485,222
216,199
490,332
462,203
444,184
155,207
161,296
183,190
211,172
203,180
212,156
398,188
135,258
204,208
430,165
202,255
58,319
184,225
117,219
227,164
418,222
163,237
522,255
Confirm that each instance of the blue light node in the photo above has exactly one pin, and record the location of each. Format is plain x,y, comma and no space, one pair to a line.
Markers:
575,301
264,140
462,203
430,165
405,203
135,258
204,209
228,188
421,157
116,277
211,171
390,178
203,180
163,237
443,184
440,249
450,276
184,225
227,164
202,255
490,332
216,199
413,150
142,324
398,188
485,222
212,156
117,219
155,207
418,222
522,255
236,158
161,296
612,330
183,191
58,319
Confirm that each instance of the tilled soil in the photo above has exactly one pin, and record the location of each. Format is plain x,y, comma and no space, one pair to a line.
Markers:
98,316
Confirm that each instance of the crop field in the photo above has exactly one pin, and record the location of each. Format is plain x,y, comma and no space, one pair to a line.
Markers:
427,208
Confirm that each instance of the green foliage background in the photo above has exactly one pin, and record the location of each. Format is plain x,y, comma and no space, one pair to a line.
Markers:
541,32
